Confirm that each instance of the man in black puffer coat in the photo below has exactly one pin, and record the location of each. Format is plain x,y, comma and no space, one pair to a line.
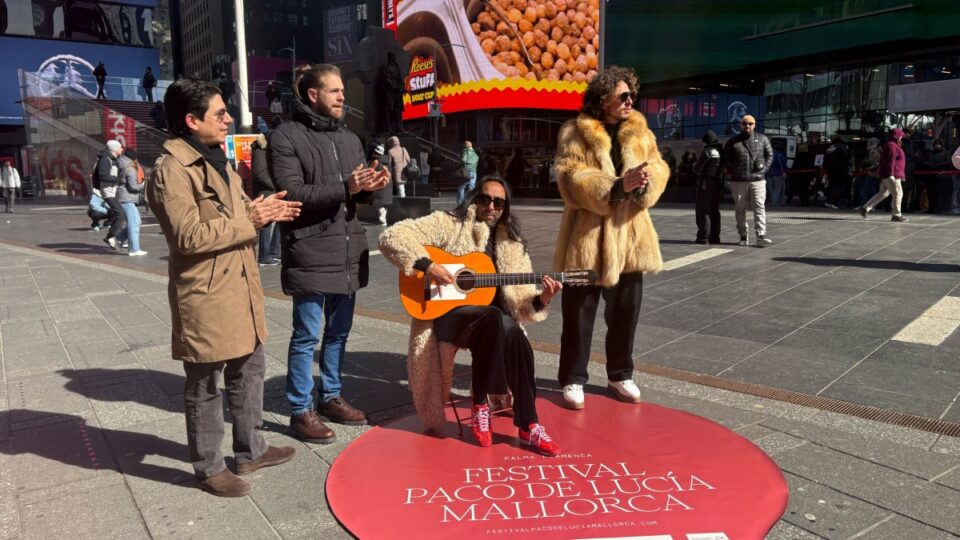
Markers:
319,162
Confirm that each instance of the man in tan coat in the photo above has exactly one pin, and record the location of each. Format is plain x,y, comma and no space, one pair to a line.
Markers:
216,301
609,172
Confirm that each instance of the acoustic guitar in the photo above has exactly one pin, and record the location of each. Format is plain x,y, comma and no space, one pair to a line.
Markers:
475,283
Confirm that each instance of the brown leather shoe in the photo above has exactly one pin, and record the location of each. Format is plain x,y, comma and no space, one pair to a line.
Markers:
339,411
308,427
273,456
225,484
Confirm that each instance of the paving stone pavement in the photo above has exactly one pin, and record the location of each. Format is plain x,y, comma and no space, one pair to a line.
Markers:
91,429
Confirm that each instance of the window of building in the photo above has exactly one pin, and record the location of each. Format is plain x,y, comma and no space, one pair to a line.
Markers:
306,21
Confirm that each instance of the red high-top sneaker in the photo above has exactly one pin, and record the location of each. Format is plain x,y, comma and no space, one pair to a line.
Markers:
480,423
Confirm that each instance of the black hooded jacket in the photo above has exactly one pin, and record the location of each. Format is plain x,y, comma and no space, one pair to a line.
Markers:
325,249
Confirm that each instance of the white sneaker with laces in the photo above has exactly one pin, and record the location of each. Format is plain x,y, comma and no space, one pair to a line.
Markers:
140,253
573,396
625,390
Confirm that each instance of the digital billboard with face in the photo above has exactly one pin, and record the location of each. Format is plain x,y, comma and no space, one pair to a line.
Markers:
482,54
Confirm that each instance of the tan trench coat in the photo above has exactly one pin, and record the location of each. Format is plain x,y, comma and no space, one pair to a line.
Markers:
216,302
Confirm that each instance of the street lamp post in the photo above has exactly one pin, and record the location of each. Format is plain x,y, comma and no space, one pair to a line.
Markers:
435,117
293,57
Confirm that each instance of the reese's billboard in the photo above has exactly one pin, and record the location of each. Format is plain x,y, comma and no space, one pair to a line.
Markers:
482,54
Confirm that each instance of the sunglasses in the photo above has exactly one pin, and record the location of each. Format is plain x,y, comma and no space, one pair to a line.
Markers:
484,200
624,96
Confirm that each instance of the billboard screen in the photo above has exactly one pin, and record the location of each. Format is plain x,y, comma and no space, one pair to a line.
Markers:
483,54
66,63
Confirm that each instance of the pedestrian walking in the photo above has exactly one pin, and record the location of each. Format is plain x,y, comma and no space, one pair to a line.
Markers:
318,161
709,170
107,179
10,183
891,170
399,159
268,253
100,75
148,83
748,157
610,173
383,198
217,316
468,162
128,195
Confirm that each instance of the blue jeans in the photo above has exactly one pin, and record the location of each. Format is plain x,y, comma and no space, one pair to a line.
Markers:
132,233
337,310
467,186
269,243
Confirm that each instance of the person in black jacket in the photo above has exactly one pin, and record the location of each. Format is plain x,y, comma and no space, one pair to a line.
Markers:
268,253
838,162
709,189
106,179
148,83
319,162
748,157
100,74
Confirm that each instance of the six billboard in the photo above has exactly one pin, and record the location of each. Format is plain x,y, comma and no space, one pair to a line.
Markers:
496,53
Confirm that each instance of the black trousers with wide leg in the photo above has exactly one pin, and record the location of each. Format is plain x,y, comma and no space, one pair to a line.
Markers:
579,306
502,357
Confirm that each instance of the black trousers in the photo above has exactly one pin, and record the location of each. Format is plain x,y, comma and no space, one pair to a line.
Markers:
708,205
117,222
579,306
100,94
502,357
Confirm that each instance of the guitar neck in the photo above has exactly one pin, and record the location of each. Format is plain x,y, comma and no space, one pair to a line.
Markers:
498,280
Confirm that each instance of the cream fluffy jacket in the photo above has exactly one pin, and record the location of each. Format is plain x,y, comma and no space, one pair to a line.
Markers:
430,363
610,238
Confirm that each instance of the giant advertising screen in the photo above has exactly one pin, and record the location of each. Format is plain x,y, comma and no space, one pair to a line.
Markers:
482,54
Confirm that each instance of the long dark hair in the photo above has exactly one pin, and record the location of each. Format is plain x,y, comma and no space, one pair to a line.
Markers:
513,225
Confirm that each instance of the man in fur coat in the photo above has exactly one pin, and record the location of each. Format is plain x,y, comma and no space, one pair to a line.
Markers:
609,172
502,357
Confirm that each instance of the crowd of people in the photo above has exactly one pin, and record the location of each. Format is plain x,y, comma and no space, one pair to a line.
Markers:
310,173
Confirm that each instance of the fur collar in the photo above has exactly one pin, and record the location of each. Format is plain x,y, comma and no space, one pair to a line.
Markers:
594,132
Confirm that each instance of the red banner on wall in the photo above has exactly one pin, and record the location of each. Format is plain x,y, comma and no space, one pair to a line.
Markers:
119,127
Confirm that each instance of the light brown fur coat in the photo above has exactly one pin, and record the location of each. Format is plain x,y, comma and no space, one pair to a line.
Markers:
430,362
610,238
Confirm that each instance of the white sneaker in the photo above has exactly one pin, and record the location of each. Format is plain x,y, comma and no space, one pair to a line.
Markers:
140,253
625,390
573,396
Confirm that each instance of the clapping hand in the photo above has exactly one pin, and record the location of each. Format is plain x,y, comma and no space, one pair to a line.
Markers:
367,178
265,210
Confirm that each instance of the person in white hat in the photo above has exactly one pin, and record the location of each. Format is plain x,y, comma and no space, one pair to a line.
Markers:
106,178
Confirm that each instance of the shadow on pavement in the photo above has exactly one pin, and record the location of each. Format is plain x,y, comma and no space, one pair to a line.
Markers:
69,440
884,265
73,247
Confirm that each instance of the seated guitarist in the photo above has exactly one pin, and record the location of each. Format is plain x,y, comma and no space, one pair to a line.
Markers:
502,357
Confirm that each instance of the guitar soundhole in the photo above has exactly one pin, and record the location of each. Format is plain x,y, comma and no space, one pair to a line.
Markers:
466,281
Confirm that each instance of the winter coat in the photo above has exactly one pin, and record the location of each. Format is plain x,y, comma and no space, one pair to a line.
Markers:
611,237
709,165
9,177
399,158
216,301
836,161
262,181
325,248
737,157
129,189
938,160
402,244
106,171
892,161
149,81
469,159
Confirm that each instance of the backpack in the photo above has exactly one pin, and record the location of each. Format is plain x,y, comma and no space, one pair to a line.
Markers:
411,172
